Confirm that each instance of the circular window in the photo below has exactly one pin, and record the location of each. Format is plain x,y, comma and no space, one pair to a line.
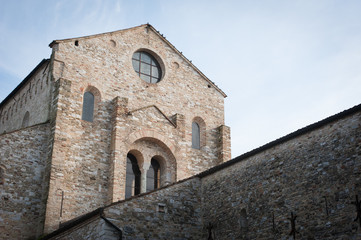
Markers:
146,67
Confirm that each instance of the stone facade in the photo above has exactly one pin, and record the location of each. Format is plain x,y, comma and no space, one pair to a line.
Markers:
85,161
308,179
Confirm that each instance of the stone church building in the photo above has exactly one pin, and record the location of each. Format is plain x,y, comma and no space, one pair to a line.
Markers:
119,136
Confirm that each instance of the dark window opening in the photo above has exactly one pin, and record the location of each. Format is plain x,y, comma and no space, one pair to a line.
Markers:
2,177
76,43
196,138
132,180
153,175
243,222
146,67
25,122
88,107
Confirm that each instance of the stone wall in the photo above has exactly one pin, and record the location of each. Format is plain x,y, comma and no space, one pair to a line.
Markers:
94,228
173,212
23,155
315,176
30,104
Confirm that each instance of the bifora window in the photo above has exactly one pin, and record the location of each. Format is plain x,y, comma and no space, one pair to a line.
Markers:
153,175
146,67
132,179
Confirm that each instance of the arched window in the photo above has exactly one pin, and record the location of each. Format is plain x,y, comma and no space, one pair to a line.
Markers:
196,136
153,175
2,175
243,222
132,180
88,107
26,120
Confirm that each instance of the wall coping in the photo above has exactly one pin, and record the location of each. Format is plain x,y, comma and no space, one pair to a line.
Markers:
283,139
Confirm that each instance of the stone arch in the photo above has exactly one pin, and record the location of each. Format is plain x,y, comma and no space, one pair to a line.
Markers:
152,147
138,155
133,173
202,130
151,134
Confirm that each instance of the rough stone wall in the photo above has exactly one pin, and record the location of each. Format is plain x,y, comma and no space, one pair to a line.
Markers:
314,176
23,159
89,158
33,97
173,212
93,229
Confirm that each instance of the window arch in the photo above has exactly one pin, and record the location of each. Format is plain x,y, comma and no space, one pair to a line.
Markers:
196,136
198,133
91,103
132,179
25,122
153,175
88,107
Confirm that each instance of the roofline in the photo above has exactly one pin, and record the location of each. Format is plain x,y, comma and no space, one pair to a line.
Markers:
281,140
99,212
188,61
24,82
74,222
92,36
159,35
157,108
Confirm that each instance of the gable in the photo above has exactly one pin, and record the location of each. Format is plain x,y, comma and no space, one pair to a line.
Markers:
135,30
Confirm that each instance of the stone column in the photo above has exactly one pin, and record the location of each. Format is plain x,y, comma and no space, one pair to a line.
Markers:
143,177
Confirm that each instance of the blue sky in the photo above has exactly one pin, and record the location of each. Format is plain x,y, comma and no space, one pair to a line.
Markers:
283,64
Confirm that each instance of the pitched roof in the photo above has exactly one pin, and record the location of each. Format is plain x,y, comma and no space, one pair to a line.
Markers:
160,36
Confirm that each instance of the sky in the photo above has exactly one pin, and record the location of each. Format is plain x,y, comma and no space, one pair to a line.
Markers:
283,64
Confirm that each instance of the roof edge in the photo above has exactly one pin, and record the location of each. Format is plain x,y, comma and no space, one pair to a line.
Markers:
93,35
283,139
23,83
74,222
188,61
